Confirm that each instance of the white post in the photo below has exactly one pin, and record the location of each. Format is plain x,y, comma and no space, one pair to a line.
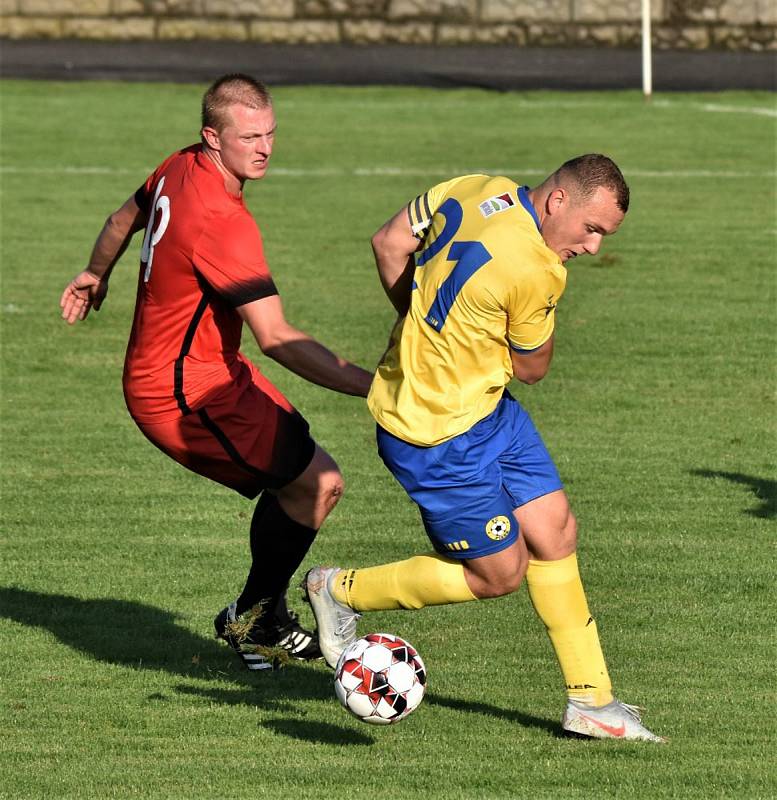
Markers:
647,58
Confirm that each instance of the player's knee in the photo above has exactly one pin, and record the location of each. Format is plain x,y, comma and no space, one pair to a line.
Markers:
331,489
314,501
497,586
569,534
311,497
498,583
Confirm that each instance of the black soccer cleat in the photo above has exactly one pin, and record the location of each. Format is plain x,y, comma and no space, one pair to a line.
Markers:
228,627
264,642
300,643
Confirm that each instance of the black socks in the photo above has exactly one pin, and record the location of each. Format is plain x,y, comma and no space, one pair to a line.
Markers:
278,545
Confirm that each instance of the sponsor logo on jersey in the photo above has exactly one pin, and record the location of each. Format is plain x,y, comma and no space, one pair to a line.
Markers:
550,306
496,204
498,528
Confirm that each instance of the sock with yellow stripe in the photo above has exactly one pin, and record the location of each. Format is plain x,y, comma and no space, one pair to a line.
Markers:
426,580
557,593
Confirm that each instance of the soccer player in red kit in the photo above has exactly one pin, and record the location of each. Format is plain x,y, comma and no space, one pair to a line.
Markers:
187,386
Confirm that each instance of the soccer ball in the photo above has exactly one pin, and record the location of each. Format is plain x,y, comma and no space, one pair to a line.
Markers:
380,678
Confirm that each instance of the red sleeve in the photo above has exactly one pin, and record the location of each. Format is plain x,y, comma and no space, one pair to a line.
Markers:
144,195
230,256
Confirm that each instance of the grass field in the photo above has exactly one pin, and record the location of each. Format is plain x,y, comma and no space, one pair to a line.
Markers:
659,410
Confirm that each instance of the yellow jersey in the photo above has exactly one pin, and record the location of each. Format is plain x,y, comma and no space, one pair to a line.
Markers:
485,281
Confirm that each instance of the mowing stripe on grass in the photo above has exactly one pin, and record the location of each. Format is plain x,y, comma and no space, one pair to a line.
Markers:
513,102
715,108
388,172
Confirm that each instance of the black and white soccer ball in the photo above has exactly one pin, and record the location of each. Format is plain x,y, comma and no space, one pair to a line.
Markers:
380,678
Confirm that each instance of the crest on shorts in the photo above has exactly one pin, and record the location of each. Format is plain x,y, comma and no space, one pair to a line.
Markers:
498,528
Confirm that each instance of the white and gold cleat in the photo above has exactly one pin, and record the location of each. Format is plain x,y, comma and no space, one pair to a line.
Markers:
616,720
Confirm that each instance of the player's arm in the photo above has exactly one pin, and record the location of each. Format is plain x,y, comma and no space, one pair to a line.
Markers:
394,245
532,366
299,352
88,289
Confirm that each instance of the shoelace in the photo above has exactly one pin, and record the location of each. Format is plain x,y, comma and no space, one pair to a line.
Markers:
346,623
634,711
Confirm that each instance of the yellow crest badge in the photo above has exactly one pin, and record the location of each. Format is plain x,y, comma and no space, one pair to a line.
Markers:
498,528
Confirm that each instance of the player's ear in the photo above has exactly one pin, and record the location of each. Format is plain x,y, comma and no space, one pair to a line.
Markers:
556,200
211,138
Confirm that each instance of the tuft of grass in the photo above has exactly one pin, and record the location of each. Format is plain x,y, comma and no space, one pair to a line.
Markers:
277,656
240,628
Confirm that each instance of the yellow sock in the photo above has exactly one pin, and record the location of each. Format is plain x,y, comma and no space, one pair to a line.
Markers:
557,593
427,580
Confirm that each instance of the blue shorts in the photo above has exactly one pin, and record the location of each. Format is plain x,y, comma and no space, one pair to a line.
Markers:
467,487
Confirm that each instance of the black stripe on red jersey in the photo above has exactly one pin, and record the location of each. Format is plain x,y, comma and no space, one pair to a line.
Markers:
242,292
187,343
141,199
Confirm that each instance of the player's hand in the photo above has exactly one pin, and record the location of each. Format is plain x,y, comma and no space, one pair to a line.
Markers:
84,292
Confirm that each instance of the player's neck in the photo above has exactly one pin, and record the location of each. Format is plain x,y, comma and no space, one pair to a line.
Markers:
536,199
232,183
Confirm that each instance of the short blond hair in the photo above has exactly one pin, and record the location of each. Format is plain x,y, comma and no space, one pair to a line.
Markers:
233,89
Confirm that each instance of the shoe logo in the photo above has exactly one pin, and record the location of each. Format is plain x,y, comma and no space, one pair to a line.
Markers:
294,642
498,528
611,729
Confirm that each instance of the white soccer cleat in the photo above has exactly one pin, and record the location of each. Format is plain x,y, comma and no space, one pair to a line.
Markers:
336,622
616,720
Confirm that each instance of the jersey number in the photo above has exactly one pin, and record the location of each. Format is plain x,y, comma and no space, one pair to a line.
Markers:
469,257
151,239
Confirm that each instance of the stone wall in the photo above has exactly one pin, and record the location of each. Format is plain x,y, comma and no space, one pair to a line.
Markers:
682,24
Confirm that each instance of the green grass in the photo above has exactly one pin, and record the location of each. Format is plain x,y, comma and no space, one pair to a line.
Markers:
659,410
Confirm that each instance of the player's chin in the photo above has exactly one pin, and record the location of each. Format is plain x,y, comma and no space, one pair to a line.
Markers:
257,171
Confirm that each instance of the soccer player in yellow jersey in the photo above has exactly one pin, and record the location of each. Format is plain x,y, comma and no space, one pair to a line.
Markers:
475,267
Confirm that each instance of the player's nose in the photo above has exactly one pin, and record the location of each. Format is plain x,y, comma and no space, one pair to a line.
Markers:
593,243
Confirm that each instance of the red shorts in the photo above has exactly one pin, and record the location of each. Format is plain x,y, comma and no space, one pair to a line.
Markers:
248,437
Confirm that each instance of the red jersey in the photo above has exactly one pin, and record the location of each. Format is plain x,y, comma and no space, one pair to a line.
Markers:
202,257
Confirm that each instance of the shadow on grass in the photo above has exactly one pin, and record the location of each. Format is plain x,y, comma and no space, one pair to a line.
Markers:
140,636
765,490
506,714
145,637
300,729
